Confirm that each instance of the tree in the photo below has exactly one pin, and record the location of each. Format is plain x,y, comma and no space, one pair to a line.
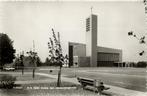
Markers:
140,39
7,52
17,63
141,64
38,61
22,63
55,54
47,62
33,56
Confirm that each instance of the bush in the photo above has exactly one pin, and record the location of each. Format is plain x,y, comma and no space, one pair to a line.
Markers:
7,81
142,64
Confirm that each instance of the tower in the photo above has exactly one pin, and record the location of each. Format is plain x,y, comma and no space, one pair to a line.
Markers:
91,39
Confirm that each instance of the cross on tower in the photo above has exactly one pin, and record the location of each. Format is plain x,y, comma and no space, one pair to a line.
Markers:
91,9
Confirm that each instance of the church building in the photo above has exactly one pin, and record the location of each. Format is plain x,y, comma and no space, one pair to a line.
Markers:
90,54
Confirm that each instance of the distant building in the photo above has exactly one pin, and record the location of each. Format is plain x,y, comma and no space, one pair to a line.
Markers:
89,54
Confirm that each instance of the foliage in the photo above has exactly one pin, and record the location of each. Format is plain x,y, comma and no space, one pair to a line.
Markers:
141,39
55,54
141,64
38,61
33,57
7,81
18,62
55,51
6,49
47,62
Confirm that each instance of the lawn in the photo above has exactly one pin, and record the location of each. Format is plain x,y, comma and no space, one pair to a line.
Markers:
44,92
75,90
27,76
51,84
29,89
129,78
68,72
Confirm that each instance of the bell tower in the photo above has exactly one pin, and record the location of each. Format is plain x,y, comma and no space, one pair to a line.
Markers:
91,39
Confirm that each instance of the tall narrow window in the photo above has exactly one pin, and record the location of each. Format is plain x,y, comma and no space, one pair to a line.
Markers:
88,24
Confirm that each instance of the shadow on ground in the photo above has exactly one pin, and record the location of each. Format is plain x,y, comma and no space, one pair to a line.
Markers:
103,93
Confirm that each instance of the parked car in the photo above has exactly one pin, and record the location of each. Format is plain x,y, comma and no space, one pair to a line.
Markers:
8,68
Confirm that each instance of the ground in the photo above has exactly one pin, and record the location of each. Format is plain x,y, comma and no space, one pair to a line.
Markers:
128,78
131,78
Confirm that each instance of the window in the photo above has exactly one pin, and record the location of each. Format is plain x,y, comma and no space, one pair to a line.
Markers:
88,24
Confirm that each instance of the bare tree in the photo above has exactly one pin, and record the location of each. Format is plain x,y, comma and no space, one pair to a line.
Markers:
140,39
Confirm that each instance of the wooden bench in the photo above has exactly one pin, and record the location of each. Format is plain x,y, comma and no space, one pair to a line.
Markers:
97,84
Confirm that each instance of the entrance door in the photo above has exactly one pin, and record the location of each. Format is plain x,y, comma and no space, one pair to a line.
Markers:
70,55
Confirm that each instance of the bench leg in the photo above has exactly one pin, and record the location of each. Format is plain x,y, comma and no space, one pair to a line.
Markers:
99,91
83,86
95,90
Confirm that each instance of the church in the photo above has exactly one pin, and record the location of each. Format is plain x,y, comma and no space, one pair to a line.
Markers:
90,54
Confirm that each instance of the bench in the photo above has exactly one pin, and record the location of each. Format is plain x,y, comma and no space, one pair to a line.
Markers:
97,84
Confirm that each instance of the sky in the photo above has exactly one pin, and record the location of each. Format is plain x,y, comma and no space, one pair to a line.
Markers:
28,21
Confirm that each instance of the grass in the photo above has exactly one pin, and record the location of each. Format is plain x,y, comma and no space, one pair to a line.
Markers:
28,77
64,92
53,92
129,78
48,92
114,75
52,84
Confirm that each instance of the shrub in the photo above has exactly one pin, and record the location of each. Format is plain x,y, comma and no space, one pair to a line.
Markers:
7,81
142,64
